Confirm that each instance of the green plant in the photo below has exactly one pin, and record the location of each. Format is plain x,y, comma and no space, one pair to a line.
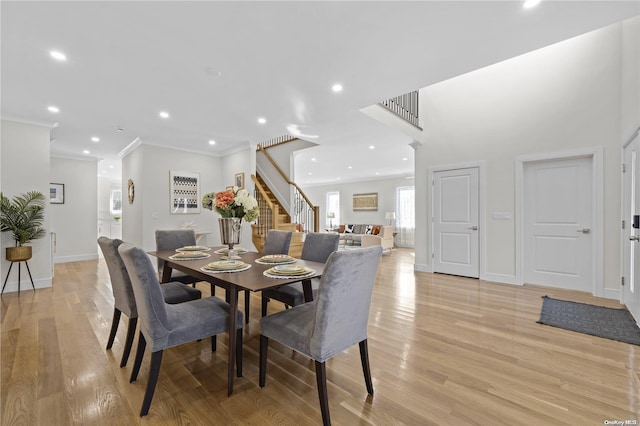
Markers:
23,216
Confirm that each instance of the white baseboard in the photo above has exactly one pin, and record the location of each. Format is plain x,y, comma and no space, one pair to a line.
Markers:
76,258
609,293
500,278
25,283
418,267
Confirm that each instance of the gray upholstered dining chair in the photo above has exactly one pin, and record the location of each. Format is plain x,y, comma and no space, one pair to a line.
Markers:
164,326
333,322
171,239
124,300
317,248
277,242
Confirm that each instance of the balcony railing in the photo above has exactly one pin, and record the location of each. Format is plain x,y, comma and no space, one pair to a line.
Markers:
405,106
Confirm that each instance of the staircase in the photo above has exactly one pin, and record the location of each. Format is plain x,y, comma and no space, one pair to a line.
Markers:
273,216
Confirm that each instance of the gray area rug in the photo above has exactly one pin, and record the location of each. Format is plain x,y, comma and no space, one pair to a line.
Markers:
610,323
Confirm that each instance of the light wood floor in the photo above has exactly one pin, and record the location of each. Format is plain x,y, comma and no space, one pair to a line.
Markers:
444,350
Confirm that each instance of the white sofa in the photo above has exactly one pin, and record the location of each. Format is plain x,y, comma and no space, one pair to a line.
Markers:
384,239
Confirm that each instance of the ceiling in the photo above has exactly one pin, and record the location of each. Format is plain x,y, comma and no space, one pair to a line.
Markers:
216,67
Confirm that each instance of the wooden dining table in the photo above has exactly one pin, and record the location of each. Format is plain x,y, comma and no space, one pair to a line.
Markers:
252,279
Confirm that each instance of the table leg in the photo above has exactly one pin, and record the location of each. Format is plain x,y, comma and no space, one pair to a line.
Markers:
232,295
307,290
166,273
19,278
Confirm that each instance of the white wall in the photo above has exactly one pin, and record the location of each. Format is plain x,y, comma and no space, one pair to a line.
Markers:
149,167
562,97
24,156
75,222
386,189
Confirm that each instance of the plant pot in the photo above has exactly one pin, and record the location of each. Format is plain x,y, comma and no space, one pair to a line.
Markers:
19,254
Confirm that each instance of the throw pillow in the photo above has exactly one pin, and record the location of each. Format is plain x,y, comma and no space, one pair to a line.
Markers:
341,230
376,230
368,229
348,229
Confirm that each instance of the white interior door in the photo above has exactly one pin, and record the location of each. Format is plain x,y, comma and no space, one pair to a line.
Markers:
631,235
455,222
558,209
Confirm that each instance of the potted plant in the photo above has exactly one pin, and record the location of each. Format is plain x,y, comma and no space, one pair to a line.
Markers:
23,216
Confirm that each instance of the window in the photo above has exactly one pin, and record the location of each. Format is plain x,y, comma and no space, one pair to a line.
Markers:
333,206
405,216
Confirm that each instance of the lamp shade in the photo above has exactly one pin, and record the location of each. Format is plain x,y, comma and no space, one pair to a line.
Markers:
331,215
390,215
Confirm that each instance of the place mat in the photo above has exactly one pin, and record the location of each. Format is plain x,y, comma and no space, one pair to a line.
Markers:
193,248
189,255
289,271
275,259
238,250
225,266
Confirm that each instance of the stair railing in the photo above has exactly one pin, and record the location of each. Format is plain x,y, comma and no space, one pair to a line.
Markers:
405,106
303,211
268,210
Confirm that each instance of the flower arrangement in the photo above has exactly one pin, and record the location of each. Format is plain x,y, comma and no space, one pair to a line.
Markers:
234,202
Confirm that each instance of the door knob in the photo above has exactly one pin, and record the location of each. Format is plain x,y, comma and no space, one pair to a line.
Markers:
473,228
634,238
585,230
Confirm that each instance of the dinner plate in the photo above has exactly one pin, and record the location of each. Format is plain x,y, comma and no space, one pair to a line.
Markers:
272,259
189,255
238,250
193,248
284,273
226,266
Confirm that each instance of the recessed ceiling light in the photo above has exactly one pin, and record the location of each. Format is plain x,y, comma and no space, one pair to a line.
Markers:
337,87
377,173
86,151
309,173
349,167
58,56
95,139
404,159
104,172
212,142
164,114
530,3
262,120
338,178
372,147
313,159
53,108
111,166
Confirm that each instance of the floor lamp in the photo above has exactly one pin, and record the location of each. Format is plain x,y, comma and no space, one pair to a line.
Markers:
331,216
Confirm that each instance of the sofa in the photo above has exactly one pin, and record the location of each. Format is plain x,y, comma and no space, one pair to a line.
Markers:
352,234
384,239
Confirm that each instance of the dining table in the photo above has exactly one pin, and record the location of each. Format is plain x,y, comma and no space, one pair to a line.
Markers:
252,279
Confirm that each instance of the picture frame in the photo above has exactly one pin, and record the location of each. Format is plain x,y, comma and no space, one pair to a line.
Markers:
365,202
239,180
184,192
56,193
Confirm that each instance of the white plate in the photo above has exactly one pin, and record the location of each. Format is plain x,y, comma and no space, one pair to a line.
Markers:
192,248
177,257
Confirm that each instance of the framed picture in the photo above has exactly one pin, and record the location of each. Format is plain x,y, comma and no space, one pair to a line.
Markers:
56,193
239,182
368,202
184,192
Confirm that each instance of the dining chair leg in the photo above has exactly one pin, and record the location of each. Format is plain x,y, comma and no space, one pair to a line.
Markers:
364,357
154,372
131,332
265,300
321,379
142,344
247,295
264,346
239,353
214,343
114,327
